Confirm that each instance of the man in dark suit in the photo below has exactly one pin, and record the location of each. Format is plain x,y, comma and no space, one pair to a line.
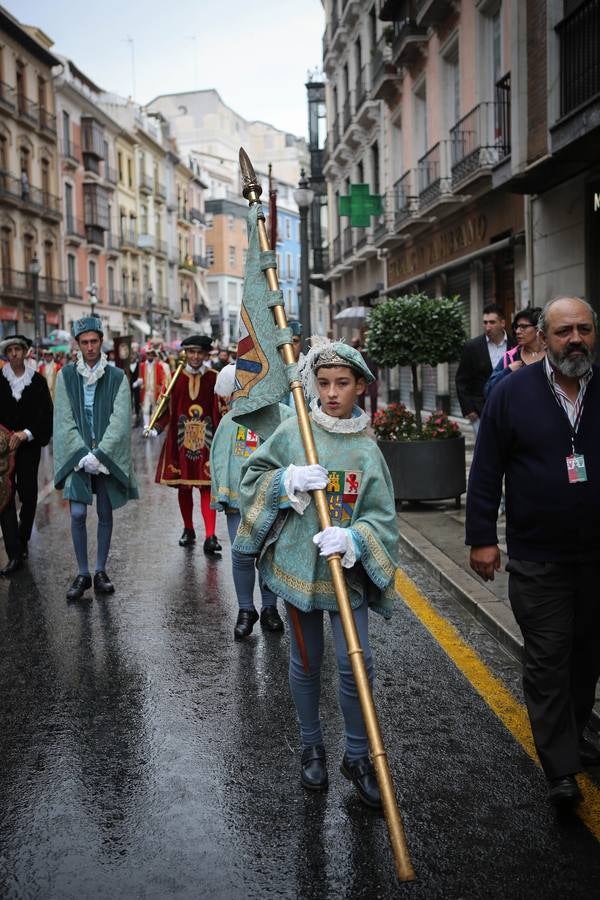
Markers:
479,356
26,411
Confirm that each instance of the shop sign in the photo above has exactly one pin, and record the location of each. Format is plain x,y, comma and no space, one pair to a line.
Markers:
439,248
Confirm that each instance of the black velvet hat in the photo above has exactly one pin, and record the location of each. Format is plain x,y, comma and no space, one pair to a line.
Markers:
197,342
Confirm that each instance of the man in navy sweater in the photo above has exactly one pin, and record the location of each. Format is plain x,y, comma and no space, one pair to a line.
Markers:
541,430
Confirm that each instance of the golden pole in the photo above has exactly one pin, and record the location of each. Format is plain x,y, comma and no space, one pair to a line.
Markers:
164,397
252,191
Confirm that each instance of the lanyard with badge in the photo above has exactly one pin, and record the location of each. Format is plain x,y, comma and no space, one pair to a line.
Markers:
575,461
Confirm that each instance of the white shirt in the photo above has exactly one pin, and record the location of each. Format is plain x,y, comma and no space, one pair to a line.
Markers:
496,351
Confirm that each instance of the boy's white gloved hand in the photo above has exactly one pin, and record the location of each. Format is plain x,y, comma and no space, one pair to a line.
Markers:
307,478
332,540
337,540
89,463
150,432
137,383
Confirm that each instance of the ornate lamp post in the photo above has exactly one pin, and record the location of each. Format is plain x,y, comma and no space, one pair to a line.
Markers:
149,308
92,290
304,197
34,271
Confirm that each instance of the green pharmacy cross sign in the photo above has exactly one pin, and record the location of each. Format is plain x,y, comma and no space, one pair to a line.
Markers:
360,205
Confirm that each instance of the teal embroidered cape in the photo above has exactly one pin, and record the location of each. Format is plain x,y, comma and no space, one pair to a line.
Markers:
231,447
112,427
360,496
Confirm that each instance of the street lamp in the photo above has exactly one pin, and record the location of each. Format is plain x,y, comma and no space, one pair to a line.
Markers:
304,197
92,290
34,271
149,299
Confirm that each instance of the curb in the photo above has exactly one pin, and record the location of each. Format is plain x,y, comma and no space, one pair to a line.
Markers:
494,615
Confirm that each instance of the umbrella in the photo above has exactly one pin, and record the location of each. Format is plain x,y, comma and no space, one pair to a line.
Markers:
353,316
59,335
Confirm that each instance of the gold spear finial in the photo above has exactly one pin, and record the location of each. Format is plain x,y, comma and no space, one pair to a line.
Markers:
251,185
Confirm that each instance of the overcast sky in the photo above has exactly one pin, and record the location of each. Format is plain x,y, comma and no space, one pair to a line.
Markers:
256,54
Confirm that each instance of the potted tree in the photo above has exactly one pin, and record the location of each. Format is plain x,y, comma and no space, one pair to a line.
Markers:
426,459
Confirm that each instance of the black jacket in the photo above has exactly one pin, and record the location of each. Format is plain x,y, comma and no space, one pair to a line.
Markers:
33,411
473,371
525,436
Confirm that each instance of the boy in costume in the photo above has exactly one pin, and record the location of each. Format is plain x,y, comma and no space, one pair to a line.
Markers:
231,447
192,418
92,448
279,520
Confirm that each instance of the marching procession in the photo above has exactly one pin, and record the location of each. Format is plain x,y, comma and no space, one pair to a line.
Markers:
300,510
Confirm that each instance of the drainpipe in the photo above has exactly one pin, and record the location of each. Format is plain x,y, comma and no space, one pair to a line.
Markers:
529,246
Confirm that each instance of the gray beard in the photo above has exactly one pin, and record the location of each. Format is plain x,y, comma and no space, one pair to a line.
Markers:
571,368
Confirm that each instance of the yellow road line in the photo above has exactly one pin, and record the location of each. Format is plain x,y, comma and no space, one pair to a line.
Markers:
510,712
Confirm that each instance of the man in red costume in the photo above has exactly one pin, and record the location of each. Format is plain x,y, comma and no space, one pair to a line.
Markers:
192,418
153,379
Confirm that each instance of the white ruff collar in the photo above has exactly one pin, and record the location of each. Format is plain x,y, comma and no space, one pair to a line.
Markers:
17,385
199,371
91,376
339,426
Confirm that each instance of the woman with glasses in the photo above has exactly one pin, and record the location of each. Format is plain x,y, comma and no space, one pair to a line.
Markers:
529,349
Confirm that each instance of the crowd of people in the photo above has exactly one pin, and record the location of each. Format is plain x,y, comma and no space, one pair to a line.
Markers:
533,401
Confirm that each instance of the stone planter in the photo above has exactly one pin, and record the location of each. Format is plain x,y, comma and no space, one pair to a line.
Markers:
426,470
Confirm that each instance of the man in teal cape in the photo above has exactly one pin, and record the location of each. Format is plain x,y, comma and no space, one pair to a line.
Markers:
92,448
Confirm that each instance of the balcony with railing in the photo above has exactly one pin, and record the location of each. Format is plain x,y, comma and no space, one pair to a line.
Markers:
433,177
110,174
145,241
145,183
27,109
128,240
71,153
201,261
114,297
405,198
53,290
384,224
579,40
14,283
198,217
347,242
430,13
186,264
22,193
385,79
46,120
409,37
160,247
74,289
74,230
479,141
8,96
112,243
160,191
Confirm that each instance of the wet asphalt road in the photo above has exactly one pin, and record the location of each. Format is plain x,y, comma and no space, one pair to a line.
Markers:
144,754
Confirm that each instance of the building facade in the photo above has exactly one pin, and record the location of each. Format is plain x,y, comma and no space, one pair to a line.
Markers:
30,208
436,81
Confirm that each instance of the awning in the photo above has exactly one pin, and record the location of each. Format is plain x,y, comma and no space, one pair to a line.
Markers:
352,315
9,313
52,318
203,293
196,327
141,325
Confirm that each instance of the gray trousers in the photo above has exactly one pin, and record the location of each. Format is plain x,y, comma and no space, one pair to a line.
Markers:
557,606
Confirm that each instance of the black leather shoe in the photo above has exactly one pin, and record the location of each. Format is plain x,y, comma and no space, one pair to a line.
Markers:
313,769
211,545
79,587
246,620
103,584
270,619
13,566
187,538
589,753
361,773
563,791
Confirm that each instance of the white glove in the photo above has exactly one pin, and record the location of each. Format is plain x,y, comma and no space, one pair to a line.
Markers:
336,540
91,464
137,383
150,432
307,478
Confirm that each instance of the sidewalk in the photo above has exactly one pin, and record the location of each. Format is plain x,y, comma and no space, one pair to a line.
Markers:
434,535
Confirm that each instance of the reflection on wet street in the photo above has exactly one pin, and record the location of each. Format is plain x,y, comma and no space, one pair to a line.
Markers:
144,754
